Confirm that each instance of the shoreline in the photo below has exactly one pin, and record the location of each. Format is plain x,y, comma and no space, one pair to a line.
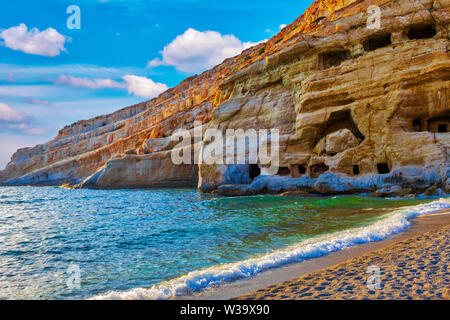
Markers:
432,191
279,283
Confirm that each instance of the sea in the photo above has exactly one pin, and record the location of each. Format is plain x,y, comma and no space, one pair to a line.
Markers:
58,243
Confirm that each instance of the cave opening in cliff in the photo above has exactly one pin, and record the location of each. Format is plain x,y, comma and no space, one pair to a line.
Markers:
442,128
318,169
383,168
340,120
301,169
356,170
377,42
254,171
332,59
284,171
421,32
439,124
417,125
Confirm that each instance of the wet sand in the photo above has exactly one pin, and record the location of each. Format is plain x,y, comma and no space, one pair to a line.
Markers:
412,265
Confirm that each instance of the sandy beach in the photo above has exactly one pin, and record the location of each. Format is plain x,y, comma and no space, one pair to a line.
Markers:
414,265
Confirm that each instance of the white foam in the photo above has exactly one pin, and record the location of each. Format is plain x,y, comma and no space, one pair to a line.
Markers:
393,223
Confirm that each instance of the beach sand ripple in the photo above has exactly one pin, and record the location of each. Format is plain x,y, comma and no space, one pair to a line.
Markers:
416,268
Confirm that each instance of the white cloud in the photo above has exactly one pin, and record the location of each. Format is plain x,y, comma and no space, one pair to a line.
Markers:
195,51
139,86
25,91
8,114
48,43
26,128
46,73
88,83
282,26
144,87
33,101
16,121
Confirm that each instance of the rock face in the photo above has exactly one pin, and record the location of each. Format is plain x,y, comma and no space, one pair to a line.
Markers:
358,110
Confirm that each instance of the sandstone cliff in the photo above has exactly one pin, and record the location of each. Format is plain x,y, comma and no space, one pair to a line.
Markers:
358,109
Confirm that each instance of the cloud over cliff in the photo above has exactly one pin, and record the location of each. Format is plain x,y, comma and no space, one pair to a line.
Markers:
144,87
196,51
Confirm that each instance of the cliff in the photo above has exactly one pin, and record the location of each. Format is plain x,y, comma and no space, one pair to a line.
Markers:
358,109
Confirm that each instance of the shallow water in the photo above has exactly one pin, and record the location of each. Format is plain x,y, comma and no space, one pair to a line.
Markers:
125,239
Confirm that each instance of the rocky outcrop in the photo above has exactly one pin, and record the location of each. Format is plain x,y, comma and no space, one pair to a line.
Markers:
358,110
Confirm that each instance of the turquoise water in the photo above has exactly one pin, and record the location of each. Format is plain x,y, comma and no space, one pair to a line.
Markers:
127,239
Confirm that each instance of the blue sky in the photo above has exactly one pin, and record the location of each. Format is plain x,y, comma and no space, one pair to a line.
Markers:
124,53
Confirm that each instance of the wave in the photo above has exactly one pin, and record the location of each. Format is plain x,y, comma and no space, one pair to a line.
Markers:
395,222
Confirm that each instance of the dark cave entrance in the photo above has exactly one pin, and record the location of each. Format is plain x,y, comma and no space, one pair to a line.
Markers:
284,171
356,170
376,42
439,124
254,171
332,59
383,168
337,121
421,32
417,125
301,169
318,169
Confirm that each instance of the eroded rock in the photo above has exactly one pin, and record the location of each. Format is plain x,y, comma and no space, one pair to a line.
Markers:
340,141
358,110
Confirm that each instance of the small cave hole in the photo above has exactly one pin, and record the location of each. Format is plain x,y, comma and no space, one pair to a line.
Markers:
376,42
332,154
284,171
439,124
254,171
421,32
442,128
301,169
318,169
383,168
417,125
318,19
332,59
356,170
